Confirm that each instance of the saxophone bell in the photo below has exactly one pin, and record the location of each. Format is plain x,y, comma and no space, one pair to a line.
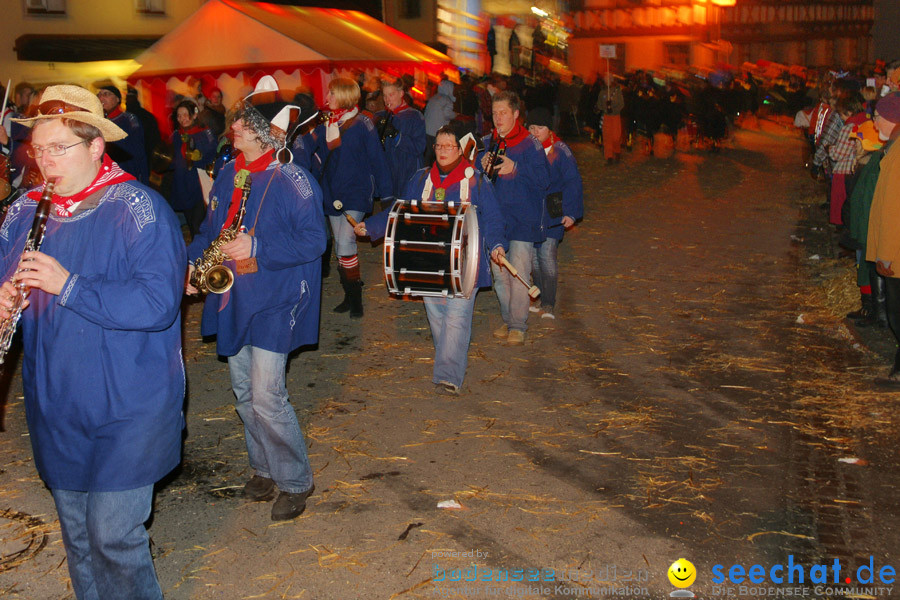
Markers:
219,279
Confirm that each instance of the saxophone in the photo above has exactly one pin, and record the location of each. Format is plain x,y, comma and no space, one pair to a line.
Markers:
33,243
210,275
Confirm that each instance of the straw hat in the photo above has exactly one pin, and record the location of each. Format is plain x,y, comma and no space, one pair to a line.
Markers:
74,102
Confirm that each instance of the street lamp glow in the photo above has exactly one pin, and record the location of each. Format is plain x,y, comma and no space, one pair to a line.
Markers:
724,2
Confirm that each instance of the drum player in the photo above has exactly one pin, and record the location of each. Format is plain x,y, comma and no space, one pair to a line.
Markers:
452,179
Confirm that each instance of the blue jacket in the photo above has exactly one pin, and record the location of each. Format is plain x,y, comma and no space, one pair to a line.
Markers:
130,153
276,308
102,367
405,151
521,194
481,195
565,178
356,170
186,189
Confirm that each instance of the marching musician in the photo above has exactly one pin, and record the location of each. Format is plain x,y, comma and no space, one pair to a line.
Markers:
102,367
402,132
130,152
193,148
563,206
352,159
452,179
516,161
272,307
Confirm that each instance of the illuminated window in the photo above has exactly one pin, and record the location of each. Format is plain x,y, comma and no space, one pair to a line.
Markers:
45,7
677,54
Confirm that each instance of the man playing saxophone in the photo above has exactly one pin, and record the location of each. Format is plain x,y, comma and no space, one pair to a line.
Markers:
272,306
102,367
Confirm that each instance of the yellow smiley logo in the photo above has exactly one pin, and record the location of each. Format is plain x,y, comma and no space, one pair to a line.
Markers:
682,573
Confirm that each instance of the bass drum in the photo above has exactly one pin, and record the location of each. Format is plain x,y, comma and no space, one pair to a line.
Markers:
431,249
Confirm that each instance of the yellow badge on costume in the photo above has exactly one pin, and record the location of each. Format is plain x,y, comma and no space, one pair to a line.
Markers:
440,194
240,177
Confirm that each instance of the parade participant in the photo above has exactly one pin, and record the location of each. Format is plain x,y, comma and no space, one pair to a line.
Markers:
883,241
611,103
272,307
102,367
193,147
23,169
452,179
564,205
129,153
352,160
522,176
402,132
438,112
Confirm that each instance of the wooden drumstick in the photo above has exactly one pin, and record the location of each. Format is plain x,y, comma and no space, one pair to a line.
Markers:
338,205
533,290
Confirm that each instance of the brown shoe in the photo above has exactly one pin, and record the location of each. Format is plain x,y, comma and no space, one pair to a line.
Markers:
516,337
289,506
259,489
501,332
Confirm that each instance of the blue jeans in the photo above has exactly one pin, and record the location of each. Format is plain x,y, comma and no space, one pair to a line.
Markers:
107,545
513,296
450,320
344,238
546,270
275,444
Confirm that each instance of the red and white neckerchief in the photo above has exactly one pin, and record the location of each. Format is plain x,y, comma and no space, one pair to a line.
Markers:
548,143
338,118
461,174
241,171
110,173
114,113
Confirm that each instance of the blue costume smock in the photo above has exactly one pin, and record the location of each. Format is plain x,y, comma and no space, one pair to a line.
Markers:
521,193
102,366
130,152
564,178
276,308
186,190
405,150
481,195
354,171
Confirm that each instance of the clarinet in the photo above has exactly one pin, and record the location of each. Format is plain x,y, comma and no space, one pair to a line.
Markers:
498,149
32,244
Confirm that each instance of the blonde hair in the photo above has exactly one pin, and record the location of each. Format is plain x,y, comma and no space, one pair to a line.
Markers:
345,91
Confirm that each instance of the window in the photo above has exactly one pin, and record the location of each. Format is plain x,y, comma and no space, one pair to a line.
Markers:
150,7
45,7
410,9
677,54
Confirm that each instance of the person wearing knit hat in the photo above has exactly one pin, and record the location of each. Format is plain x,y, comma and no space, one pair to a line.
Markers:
563,206
272,306
129,152
102,368
883,241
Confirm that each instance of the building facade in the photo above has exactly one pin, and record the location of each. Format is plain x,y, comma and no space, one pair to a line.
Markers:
648,34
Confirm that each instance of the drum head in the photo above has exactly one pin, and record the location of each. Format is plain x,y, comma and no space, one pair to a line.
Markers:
469,252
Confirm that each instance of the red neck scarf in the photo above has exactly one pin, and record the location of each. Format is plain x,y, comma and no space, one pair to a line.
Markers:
402,106
516,136
192,130
241,171
551,139
110,173
453,177
337,114
114,113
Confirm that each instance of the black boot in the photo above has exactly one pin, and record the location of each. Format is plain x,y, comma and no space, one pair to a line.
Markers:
344,306
354,293
865,316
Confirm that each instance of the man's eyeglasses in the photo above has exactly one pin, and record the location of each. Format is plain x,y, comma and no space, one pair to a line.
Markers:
54,150
446,146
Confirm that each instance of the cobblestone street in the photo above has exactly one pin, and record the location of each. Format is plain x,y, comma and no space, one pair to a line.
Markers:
693,398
